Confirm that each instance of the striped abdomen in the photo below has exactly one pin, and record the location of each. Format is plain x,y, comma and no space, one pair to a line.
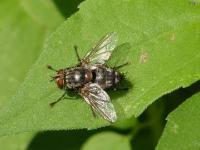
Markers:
106,77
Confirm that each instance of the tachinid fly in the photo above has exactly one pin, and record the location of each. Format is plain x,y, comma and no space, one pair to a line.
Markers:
91,76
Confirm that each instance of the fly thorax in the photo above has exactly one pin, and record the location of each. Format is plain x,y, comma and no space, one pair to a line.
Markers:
77,77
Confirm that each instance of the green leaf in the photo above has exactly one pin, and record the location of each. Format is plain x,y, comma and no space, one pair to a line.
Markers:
107,141
16,142
182,129
22,33
126,124
164,55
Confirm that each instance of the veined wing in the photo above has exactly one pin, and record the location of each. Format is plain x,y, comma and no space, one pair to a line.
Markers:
102,51
99,100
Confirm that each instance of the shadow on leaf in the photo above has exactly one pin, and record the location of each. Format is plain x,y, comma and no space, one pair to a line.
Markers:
68,7
61,140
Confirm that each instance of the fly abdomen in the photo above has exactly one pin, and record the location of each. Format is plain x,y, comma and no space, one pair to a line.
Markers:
106,77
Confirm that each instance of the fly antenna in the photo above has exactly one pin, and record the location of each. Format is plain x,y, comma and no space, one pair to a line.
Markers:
51,68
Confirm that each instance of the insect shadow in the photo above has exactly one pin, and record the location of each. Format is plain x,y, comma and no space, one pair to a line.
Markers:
124,87
121,60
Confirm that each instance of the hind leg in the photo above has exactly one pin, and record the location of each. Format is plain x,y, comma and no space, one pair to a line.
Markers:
120,66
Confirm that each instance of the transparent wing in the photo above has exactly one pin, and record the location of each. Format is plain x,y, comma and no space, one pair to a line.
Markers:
102,51
99,100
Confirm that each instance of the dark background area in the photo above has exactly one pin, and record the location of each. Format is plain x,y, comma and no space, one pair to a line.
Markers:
67,7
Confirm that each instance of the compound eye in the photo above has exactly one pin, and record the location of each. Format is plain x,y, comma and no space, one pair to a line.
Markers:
60,83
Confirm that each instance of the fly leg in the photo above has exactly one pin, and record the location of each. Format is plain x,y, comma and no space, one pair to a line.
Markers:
76,50
120,66
59,99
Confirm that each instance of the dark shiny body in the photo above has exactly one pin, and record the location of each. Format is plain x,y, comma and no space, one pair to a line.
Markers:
76,77
105,77
91,76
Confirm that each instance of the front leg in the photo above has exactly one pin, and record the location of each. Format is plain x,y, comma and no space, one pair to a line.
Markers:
59,99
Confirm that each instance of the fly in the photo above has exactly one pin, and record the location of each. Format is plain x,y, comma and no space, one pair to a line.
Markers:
90,77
